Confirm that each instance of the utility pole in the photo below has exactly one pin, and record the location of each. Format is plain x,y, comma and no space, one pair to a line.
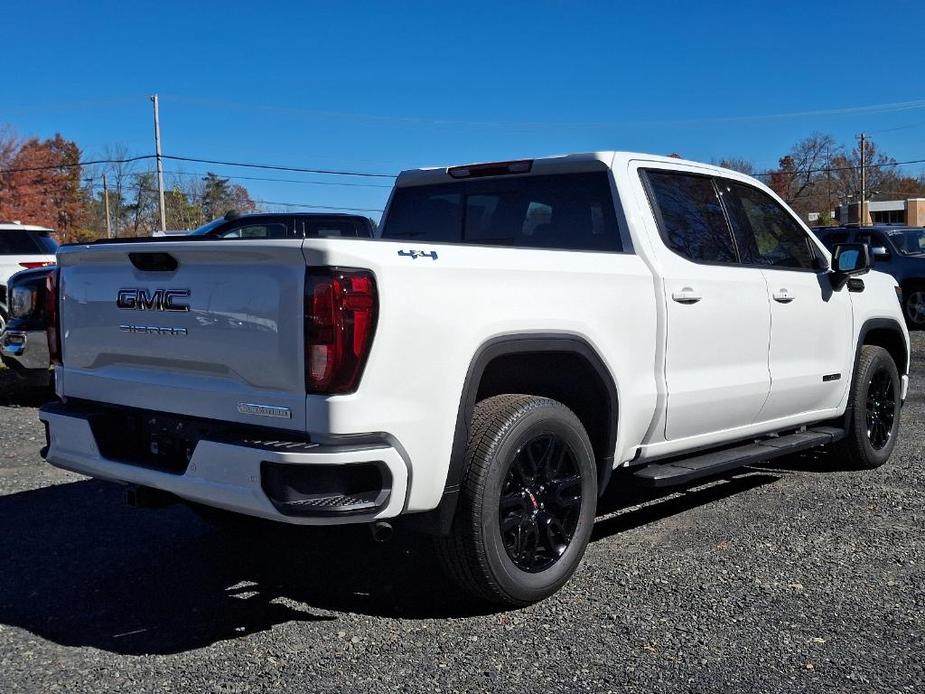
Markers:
106,205
160,164
863,183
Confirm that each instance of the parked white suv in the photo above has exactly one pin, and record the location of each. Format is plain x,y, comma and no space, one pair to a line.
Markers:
22,246
521,334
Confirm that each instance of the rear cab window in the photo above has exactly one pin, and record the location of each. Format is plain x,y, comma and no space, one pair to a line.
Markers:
569,211
22,242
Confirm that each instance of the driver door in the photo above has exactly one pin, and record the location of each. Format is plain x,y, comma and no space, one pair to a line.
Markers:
811,348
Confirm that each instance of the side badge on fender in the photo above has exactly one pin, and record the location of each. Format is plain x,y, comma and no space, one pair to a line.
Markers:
414,255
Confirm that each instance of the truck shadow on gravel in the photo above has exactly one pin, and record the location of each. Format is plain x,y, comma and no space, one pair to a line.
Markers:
16,392
83,569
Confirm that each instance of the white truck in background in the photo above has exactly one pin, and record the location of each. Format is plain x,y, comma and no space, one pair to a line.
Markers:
22,246
519,335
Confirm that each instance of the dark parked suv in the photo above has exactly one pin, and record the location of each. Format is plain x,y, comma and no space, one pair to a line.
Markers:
896,250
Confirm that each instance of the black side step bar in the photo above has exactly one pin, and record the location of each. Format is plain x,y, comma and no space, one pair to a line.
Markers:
681,471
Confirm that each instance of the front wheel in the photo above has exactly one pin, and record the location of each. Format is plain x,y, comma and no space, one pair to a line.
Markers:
876,400
527,503
914,305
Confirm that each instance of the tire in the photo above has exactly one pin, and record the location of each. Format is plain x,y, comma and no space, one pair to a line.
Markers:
873,426
914,307
3,318
547,518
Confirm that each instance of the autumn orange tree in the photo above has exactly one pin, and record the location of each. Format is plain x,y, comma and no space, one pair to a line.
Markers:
42,186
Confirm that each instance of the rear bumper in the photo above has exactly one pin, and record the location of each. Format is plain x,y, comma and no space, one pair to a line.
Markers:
267,479
27,349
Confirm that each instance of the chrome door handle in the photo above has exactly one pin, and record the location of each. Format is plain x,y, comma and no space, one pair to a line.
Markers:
686,296
783,296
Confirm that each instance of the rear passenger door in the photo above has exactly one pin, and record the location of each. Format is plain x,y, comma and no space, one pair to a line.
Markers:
718,313
811,348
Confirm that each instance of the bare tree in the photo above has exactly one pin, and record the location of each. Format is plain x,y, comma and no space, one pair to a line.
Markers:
737,164
10,142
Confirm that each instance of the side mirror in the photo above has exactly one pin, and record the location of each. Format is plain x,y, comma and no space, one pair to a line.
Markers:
848,260
879,252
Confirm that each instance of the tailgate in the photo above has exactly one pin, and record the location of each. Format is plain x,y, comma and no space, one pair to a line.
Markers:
220,336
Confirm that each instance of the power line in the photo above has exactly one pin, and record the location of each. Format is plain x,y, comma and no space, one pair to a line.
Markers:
275,167
274,180
317,207
843,168
99,186
250,165
236,177
78,164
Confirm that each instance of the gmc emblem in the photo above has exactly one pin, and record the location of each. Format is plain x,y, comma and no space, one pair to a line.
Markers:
156,300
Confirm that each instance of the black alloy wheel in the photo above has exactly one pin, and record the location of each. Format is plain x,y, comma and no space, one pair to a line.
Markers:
540,503
872,421
881,408
527,501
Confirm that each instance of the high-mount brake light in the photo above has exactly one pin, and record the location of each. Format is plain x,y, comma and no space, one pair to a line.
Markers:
53,315
494,169
341,307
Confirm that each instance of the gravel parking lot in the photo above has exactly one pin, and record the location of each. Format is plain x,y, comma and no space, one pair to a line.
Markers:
800,577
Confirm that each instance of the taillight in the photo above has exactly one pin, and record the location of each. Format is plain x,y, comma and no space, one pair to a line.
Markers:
341,306
30,266
53,316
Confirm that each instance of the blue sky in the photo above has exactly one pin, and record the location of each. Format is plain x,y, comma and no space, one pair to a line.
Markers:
385,86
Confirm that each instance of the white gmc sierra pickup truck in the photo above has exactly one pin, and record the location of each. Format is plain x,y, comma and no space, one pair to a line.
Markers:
518,334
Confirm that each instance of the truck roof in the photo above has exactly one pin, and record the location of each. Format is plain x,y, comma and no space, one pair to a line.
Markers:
562,163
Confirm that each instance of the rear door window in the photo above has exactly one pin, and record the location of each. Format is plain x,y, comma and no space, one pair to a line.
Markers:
873,238
765,232
830,239
23,242
559,211
334,228
270,228
690,216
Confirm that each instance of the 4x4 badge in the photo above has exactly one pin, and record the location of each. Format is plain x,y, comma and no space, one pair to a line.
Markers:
419,254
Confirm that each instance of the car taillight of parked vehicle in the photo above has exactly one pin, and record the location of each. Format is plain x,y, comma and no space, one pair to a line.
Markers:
53,315
341,307
30,266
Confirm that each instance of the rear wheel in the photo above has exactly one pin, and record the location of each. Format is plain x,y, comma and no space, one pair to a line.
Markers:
527,503
874,422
